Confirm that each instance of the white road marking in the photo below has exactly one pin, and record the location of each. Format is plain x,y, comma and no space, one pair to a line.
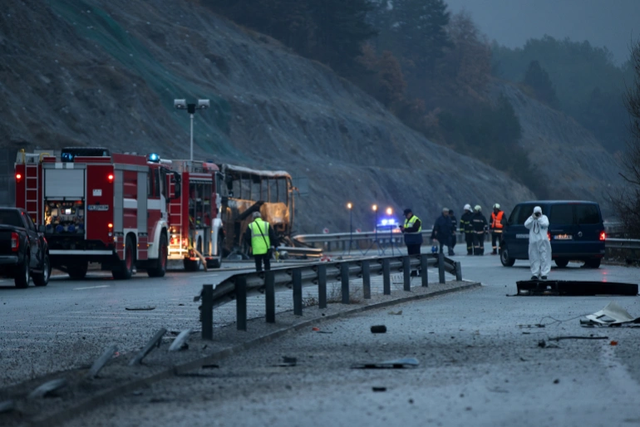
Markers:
92,287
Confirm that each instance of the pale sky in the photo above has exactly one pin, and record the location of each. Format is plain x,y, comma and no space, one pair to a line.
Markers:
604,23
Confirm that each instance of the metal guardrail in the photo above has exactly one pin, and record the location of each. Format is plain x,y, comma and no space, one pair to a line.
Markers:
614,243
240,286
344,239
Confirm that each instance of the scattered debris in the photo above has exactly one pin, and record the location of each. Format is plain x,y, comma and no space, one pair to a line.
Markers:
180,343
379,389
536,325
47,388
556,381
407,362
315,329
139,308
154,342
396,313
614,343
611,315
543,344
7,406
572,337
287,362
575,288
378,329
100,362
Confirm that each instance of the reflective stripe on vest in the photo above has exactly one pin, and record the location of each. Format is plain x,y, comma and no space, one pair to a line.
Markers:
496,221
260,242
408,223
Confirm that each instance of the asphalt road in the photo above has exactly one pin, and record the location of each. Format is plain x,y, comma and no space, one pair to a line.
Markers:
480,364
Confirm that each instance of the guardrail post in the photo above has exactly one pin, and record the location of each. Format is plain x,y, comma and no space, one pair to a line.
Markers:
386,277
322,286
344,279
297,291
207,312
241,303
441,267
458,271
406,270
366,279
424,265
270,296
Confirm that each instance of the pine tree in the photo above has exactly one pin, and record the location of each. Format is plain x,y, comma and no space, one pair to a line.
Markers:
538,79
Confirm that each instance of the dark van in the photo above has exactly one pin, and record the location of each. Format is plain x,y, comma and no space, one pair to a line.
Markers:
576,231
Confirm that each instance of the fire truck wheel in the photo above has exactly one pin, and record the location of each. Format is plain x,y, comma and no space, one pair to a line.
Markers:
77,271
160,267
22,276
42,279
124,269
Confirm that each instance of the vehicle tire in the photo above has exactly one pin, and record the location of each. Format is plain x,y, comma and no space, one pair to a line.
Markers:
124,269
160,265
593,263
23,274
561,262
78,271
505,259
42,279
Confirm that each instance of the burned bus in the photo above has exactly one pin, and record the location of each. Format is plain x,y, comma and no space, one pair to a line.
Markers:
249,190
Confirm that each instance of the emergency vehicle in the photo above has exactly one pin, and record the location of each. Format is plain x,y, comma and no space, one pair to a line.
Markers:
196,232
99,207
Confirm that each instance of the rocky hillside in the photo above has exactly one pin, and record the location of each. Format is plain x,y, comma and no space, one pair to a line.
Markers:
573,162
105,73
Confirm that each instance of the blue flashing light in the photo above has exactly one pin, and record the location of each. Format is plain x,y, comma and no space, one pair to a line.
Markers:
387,222
153,157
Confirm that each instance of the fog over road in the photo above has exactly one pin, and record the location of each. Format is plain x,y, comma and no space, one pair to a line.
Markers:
480,364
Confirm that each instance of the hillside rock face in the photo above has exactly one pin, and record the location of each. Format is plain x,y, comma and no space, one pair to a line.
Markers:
105,73
571,160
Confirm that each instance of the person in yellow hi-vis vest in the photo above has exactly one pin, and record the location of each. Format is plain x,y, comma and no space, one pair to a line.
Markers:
262,240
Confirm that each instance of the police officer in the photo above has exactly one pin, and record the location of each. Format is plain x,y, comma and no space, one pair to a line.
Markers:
496,226
412,230
261,238
466,228
479,224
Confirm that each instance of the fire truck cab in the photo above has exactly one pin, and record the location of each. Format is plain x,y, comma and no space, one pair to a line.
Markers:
99,207
196,233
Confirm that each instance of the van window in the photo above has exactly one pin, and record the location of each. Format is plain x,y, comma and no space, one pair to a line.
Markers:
525,212
588,214
561,214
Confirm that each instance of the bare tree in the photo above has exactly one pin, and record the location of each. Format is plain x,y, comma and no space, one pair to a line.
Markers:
627,203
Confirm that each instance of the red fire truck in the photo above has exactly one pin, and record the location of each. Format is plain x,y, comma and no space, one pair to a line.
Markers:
99,207
196,232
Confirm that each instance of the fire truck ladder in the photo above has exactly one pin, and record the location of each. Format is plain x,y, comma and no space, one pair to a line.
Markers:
172,208
32,183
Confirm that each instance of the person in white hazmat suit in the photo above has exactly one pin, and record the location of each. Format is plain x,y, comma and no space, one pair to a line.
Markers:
539,245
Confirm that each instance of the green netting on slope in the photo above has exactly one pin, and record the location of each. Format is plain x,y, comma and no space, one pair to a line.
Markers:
95,24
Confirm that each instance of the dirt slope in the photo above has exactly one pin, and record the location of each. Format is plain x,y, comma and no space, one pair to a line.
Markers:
106,73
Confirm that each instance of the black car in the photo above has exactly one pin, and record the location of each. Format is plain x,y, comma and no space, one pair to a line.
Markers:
576,232
24,253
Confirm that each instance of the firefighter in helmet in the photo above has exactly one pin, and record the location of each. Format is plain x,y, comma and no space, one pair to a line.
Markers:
479,224
496,226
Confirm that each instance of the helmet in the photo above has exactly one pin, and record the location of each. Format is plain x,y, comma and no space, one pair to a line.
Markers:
496,206
467,207
478,208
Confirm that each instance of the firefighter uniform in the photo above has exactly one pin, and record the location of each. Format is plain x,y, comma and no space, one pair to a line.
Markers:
479,224
496,227
466,228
